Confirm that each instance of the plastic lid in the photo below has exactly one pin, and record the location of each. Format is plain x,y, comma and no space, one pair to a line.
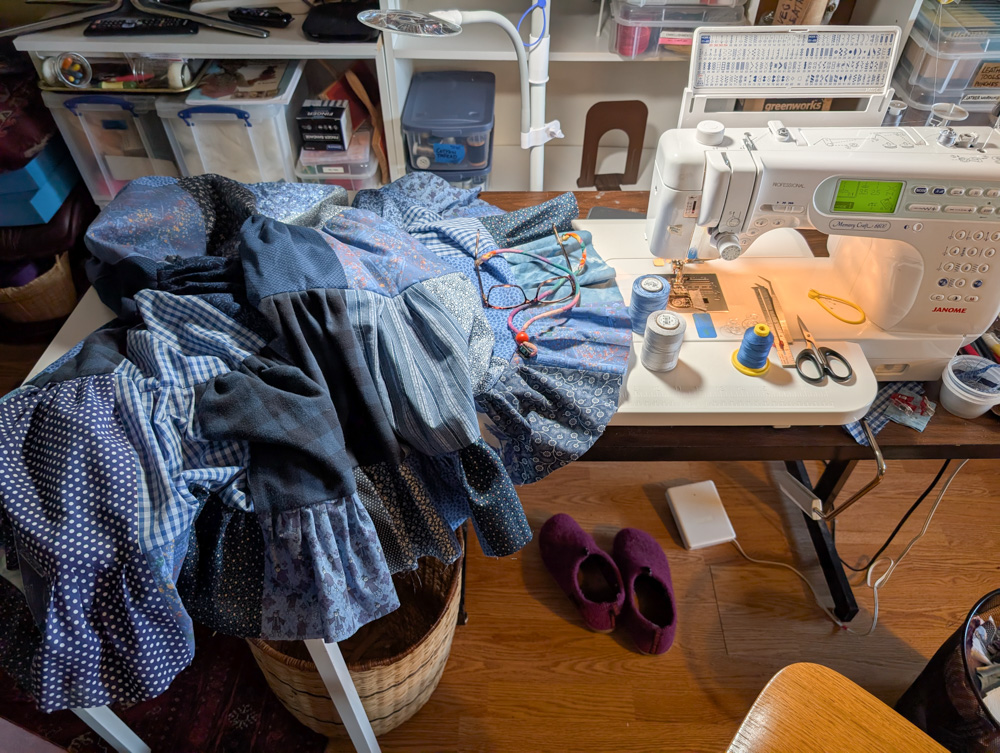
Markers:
450,103
676,16
354,171
357,152
973,100
960,28
453,176
289,80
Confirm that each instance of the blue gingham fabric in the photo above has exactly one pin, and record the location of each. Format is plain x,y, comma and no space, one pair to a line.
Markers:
876,415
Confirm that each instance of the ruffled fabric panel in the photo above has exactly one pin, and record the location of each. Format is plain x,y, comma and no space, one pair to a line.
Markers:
68,486
324,574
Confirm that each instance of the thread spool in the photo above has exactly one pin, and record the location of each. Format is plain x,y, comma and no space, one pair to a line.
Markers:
751,358
422,155
661,344
476,152
649,294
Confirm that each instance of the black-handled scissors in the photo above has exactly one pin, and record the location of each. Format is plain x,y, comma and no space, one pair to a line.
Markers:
822,360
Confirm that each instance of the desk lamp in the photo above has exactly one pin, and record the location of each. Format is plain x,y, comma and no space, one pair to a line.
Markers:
446,23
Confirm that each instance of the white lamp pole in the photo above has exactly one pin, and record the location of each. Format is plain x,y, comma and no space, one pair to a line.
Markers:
534,130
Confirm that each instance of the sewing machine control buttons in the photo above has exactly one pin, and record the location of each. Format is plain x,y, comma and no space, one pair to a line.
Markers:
988,253
975,192
956,191
987,210
972,250
994,236
938,190
978,235
975,284
924,207
937,297
961,282
920,189
993,193
960,209
953,298
971,298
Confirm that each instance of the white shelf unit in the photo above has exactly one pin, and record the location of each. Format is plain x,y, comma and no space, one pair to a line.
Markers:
287,43
582,72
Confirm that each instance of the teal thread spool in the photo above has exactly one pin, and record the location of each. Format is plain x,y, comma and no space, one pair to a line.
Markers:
751,358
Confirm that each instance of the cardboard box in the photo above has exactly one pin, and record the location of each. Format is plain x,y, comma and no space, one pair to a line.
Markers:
325,124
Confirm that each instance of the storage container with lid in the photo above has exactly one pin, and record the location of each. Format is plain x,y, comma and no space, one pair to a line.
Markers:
954,47
448,120
652,31
354,169
460,178
113,139
919,102
251,141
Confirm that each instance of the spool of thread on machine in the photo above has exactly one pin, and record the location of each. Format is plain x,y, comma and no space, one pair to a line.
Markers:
661,344
649,293
751,358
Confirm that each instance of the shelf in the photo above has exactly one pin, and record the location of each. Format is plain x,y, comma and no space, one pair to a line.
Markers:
288,43
573,24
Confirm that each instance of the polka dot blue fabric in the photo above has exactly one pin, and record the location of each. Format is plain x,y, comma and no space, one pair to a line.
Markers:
68,486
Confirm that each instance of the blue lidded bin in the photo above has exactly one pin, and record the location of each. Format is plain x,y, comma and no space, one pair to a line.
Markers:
448,121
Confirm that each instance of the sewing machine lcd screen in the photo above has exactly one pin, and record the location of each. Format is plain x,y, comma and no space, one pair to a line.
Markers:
867,196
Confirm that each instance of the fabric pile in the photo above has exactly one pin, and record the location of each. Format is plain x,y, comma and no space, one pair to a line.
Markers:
285,414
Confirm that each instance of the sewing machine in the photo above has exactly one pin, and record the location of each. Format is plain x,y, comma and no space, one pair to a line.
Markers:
913,218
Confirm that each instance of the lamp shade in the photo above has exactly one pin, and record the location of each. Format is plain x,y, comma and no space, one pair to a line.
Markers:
409,22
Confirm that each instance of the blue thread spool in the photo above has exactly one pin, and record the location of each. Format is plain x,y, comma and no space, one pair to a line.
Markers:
751,358
649,294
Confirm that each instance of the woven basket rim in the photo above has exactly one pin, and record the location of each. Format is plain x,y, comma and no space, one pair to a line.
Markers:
302,664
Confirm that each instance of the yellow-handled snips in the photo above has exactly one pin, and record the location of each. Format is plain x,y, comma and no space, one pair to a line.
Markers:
822,362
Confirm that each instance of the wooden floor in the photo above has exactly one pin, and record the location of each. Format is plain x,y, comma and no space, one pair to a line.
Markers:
525,675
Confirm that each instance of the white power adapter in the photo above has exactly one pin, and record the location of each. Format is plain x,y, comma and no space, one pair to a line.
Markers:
699,515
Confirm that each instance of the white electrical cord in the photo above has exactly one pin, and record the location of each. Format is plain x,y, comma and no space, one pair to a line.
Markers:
869,571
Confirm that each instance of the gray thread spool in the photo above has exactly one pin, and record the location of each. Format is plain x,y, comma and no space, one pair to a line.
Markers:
661,344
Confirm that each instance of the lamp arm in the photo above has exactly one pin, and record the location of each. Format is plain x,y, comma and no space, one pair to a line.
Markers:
491,17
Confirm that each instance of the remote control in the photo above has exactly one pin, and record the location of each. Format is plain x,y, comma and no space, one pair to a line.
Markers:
273,18
133,27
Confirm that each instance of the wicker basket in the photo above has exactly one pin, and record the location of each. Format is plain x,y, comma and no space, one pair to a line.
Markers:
49,296
395,662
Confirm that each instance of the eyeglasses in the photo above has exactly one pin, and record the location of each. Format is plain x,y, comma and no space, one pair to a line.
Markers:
505,296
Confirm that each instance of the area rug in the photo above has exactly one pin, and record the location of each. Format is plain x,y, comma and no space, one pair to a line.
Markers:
220,704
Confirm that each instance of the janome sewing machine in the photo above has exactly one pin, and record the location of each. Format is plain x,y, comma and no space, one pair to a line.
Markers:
913,219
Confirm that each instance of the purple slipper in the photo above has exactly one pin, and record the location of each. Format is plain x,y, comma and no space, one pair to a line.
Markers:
649,613
583,570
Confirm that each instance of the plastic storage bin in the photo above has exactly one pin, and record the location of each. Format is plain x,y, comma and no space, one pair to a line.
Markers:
919,101
448,120
113,139
353,169
250,141
970,386
460,178
651,31
954,47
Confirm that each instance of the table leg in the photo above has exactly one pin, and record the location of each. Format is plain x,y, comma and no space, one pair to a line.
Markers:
829,485
112,730
333,669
